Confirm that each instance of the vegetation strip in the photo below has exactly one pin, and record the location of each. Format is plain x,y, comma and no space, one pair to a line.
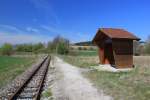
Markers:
11,67
133,85
23,80
20,89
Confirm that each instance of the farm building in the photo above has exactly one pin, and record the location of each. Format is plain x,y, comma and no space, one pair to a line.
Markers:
115,47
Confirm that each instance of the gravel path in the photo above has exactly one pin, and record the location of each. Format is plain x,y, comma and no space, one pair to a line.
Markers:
69,84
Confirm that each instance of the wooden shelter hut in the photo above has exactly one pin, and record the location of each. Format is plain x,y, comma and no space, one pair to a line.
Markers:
115,47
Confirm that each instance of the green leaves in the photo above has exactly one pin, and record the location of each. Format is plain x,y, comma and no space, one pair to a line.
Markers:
6,49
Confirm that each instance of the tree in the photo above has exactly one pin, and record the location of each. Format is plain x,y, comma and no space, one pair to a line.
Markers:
50,47
62,48
59,45
136,45
39,47
79,48
6,49
36,48
19,48
62,45
147,46
24,48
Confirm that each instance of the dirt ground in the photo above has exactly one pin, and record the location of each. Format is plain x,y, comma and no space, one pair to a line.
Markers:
69,84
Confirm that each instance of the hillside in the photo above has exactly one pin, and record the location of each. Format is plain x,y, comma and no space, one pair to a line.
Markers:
86,43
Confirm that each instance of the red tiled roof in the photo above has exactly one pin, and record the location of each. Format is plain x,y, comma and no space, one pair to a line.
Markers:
116,34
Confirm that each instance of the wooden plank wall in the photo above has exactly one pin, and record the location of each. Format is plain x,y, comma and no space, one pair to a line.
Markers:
101,56
123,53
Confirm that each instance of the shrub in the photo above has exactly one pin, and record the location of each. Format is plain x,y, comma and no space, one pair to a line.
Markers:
91,48
79,48
62,48
147,48
36,48
24,48
6,49
59,45
84,48
71,48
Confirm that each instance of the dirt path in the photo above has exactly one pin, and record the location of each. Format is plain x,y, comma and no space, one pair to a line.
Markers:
69,84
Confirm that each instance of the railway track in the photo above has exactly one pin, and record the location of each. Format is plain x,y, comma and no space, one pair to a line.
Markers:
31,88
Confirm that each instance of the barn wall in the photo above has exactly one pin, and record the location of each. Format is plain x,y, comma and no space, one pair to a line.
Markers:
101,55
100,43
124,61
123,53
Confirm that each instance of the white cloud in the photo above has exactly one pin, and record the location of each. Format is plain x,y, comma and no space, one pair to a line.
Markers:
22,38
51,29
34,30
73,36
14,35
10,28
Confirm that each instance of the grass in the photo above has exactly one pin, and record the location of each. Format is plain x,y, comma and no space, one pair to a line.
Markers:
124,85
10,67
83,52
47,94
134,85
83,59
87,53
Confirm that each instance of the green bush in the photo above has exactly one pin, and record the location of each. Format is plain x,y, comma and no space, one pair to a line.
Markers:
79,48
71,48
6,49
59,45
24,48
147,48
62,48
84,48
91,48
36,48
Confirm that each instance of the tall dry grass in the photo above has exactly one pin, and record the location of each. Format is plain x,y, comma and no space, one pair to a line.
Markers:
142,61
133,85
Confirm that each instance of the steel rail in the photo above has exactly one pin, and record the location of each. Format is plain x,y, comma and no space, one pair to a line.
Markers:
19,90
37,97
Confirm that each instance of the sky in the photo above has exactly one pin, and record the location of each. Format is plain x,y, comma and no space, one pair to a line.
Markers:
32,21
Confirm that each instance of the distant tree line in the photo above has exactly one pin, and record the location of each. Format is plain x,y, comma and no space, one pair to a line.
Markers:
86,43
141,48
58,45
6,49
147,46
39,47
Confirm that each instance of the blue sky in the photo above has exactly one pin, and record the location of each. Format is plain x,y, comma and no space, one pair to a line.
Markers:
31,21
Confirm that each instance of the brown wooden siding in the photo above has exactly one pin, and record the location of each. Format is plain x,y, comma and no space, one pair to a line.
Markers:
123,53
101,55
123,61
115,47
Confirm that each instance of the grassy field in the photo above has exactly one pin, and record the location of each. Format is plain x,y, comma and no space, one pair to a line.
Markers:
84,52
10,67
82,59
134,85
